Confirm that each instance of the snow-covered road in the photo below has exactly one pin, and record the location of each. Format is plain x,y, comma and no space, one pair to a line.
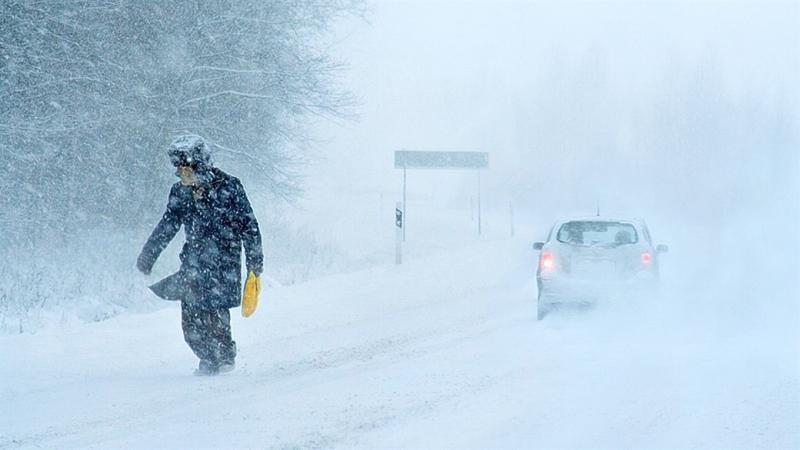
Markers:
443,351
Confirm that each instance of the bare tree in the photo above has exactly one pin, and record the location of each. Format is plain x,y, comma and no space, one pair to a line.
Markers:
91,91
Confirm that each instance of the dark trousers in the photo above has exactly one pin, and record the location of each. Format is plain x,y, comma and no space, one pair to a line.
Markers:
208,333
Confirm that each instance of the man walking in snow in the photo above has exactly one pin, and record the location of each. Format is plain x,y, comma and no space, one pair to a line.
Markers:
217,218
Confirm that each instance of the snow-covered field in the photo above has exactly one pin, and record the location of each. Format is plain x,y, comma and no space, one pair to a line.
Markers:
441,352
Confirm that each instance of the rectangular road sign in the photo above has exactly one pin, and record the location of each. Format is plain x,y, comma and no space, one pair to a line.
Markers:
440,160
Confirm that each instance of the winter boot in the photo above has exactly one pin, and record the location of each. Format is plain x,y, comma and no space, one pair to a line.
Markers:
206,368
226,367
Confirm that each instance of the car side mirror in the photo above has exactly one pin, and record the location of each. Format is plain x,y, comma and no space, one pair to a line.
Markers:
538,245
661,248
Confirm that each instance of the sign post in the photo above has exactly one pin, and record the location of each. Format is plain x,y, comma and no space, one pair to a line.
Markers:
404,200
406,159
398,223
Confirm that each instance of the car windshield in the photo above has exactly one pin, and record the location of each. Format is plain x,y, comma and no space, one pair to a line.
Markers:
597,233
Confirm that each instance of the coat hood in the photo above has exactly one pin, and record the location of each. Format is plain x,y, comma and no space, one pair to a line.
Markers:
190,150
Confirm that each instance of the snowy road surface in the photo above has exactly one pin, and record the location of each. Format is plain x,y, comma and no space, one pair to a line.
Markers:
441,352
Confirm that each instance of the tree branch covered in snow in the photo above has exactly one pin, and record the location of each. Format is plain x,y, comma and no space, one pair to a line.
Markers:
92,91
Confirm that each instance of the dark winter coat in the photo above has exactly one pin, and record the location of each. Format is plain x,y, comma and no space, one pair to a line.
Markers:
217,225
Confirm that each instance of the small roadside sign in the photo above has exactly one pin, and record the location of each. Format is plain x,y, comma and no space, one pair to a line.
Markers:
398,221
415,159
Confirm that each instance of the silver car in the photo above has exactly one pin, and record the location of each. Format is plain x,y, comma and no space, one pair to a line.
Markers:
585,259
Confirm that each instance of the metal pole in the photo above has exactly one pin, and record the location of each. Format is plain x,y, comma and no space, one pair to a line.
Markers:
471,208
404,204
479,202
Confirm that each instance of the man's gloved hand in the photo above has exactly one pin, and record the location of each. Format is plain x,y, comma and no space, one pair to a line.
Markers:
252,287
144,264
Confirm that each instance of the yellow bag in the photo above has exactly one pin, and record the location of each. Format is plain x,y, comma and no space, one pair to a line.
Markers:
250,297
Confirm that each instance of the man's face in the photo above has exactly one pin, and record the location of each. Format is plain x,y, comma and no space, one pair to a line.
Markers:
186,174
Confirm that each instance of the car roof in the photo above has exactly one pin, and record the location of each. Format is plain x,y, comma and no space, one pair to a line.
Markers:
636,221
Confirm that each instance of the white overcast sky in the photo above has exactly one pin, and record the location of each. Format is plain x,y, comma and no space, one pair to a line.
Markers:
453,75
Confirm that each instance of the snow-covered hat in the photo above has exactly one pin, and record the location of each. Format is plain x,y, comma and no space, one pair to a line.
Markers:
189,150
